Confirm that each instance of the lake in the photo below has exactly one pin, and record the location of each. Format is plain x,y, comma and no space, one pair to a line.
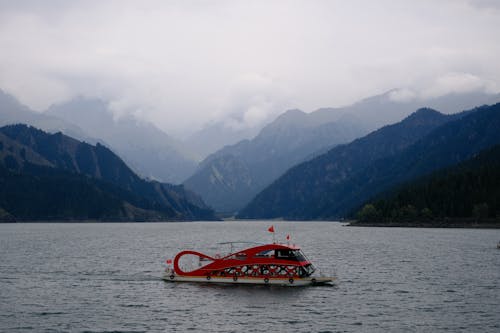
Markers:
101,277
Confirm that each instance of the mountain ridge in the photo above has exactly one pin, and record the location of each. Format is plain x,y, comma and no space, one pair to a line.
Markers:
314,178
296,136
230,177
14,112
149,150
465,194
36,156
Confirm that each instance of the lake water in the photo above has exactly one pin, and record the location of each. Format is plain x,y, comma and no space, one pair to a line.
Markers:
106,278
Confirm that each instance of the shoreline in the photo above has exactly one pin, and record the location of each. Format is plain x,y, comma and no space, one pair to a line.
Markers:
436,225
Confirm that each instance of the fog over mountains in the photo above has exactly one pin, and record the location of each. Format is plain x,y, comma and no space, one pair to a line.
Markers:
232,176
148,150
393,106
13,112
215,136
264,153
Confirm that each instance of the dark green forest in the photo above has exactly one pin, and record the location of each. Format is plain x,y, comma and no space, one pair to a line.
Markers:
467,193
58,195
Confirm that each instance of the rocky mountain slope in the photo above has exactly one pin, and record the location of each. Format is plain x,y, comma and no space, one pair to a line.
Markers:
42,163
231,177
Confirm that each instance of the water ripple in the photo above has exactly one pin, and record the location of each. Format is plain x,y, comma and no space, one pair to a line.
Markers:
107,278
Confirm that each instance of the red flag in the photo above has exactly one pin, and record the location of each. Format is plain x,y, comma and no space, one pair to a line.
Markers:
271,228
287,237
169,261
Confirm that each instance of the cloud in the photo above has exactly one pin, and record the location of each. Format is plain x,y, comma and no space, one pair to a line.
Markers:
458,83
181,64
485,4
252,100
402,95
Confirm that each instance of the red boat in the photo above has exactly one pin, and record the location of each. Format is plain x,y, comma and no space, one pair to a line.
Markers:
274,264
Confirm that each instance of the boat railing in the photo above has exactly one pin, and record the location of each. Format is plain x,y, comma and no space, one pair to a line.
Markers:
233,247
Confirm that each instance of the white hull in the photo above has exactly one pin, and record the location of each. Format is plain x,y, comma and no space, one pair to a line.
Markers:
251,280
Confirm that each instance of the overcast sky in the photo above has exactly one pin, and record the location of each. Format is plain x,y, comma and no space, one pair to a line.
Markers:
183,63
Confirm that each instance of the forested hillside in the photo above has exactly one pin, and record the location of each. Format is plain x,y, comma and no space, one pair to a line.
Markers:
332,185
53,176
466,193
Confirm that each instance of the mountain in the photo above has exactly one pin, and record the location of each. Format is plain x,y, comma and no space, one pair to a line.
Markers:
147,149
333,184
468,193
388,108
215,136
68,176
13,112
228,179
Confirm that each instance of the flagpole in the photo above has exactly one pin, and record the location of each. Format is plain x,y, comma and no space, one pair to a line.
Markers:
271,230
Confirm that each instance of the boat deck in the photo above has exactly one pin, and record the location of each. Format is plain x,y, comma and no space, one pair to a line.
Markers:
320,280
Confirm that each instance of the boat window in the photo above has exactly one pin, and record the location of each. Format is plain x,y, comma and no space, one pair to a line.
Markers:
299,255
239,256
265,254
290,255
309,269
284,254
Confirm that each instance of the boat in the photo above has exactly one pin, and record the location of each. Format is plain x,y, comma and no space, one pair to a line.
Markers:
264,264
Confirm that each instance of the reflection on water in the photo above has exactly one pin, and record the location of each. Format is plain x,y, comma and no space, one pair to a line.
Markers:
106,277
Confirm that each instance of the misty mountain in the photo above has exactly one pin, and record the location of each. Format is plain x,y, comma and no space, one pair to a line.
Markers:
13,112
465,194
147,149
229,178
215,136
36,166
333,184
388,108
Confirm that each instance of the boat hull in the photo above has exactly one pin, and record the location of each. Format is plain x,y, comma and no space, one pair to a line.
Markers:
297,282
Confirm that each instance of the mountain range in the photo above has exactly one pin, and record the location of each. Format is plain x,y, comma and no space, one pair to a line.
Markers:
53,176
393,106
13,112
332,185
216,135
147,149
229,178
